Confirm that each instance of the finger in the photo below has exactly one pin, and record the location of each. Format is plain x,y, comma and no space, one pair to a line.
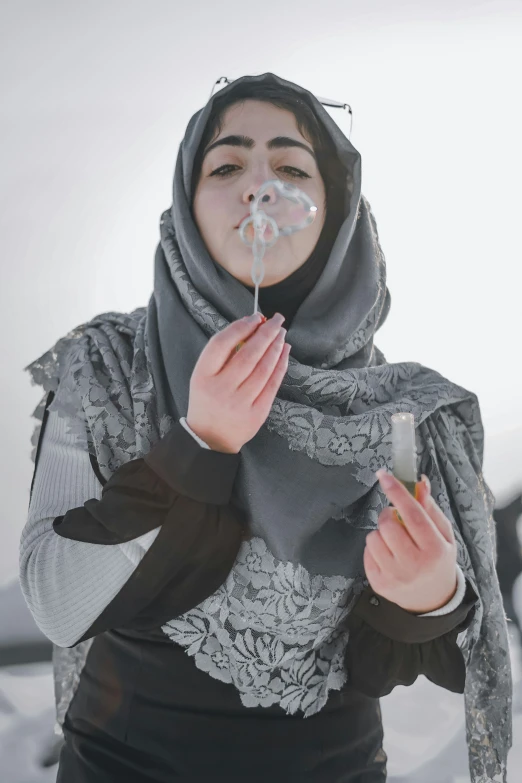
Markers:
380,551
265,399
262,372
370,565
416,520
217,351
238,347
434,511
255,350
397,538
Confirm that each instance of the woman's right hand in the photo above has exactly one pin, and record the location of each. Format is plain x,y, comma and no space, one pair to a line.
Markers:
232,392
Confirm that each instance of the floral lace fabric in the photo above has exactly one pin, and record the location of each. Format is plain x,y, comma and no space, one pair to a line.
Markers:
272,630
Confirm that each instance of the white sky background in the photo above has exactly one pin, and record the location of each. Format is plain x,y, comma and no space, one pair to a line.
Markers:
95,100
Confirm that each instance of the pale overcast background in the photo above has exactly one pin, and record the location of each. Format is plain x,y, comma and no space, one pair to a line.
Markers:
95,98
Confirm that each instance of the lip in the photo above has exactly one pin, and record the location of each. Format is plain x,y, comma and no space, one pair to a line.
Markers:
244,216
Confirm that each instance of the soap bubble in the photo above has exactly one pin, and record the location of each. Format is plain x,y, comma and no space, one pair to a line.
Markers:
282,208
278,209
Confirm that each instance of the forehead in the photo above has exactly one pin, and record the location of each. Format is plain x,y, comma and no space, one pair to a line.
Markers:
259,120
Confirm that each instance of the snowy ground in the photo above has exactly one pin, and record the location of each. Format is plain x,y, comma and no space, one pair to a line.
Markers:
423,726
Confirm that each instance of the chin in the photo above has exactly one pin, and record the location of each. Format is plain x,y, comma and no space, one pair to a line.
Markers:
239,262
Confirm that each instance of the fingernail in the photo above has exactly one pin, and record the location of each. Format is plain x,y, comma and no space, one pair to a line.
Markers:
426,481
252,319
386,479
278,318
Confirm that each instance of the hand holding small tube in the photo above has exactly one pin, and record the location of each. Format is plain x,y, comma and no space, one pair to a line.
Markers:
413,564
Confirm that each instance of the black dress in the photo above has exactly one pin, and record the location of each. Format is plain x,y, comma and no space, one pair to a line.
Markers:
144,712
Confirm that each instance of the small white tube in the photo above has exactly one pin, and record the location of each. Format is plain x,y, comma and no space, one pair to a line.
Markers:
404,450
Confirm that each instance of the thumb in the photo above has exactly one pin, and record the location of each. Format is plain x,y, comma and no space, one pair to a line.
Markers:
224,342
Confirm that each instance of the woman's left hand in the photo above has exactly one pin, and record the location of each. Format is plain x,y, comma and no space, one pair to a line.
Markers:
413,564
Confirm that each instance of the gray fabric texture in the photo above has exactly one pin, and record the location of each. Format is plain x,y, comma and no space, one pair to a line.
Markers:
306,481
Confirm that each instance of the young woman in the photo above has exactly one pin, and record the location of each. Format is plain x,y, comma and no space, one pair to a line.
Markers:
208,545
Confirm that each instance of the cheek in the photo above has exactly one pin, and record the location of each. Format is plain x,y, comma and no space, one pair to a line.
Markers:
317,225
319,221
209,213
318,197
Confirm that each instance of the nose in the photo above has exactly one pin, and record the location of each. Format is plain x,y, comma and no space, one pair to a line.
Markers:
255,182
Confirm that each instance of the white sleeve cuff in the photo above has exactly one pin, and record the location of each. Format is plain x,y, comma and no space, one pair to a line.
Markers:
455,601
183,422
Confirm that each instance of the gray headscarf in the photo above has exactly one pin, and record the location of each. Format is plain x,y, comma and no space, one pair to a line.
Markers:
306,481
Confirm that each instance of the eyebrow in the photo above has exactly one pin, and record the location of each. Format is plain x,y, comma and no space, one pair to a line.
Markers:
279,142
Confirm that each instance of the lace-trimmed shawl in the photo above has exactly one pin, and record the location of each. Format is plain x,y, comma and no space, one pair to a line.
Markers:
306,482
451,458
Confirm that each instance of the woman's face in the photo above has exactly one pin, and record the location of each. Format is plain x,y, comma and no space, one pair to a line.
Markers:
255,148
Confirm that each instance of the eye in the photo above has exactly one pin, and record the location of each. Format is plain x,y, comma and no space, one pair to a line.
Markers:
294,172
228,168
219,172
